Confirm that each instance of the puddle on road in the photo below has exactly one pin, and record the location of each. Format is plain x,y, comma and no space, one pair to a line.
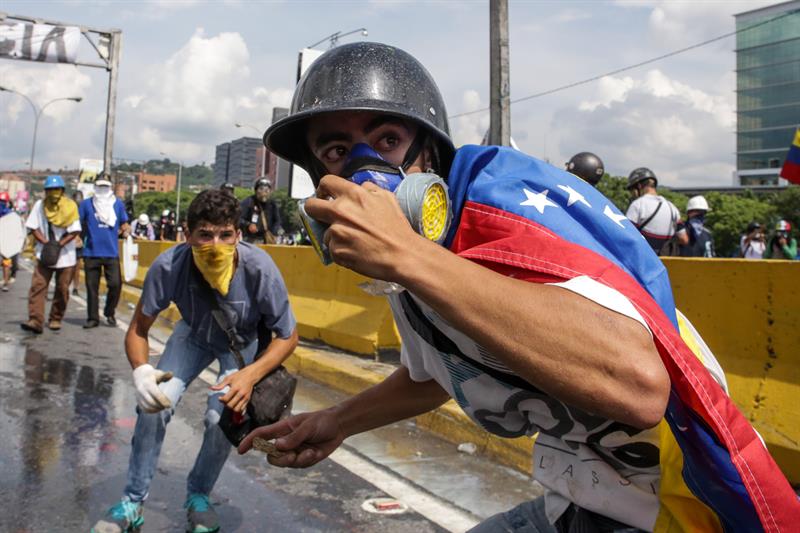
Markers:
57,421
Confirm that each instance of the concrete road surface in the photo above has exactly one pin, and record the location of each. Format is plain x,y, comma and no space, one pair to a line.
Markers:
67,416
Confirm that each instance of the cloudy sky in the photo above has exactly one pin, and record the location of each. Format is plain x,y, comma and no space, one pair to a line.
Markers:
191,69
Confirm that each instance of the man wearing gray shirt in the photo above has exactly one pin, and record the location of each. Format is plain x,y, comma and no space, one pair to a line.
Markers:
246,280
656,217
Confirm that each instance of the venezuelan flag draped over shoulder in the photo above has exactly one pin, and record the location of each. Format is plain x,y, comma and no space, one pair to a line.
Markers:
525,218
791,167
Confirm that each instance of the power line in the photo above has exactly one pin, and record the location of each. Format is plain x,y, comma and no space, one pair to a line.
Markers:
631,67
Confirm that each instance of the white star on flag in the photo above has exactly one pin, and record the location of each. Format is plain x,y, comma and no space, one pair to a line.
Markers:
613,216
574,196
538,200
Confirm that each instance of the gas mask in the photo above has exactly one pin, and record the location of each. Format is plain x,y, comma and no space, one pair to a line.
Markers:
422,197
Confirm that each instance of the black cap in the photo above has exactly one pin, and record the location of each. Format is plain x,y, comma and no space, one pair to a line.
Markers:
640,174
361,77
586,166
262,182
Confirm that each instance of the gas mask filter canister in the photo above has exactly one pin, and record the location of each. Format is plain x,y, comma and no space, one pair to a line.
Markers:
422,197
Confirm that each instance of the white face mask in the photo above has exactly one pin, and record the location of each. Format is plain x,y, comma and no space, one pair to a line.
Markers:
103,191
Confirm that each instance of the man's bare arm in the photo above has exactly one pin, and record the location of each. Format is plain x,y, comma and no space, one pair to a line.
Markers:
307,438
137,346
572,348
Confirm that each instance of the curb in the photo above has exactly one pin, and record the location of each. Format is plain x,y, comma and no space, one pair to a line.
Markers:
352,374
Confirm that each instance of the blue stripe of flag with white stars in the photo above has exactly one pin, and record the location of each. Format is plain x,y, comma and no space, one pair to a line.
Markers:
507,179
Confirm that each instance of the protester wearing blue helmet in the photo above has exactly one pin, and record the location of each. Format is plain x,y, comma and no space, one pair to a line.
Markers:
54,224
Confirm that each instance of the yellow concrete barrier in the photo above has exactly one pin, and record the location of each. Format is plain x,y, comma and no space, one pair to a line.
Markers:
327,301
748,312
330,305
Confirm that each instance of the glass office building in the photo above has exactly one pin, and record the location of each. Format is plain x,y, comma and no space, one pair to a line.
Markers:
767,91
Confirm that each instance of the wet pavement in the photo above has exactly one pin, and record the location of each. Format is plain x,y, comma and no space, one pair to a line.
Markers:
67,417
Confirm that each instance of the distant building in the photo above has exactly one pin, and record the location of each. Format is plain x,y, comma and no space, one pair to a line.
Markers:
156,182
767,92
240,162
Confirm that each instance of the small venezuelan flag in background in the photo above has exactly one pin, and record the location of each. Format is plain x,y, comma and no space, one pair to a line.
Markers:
791,168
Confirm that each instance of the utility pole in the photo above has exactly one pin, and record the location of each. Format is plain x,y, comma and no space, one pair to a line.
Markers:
499,82
115,47
108,48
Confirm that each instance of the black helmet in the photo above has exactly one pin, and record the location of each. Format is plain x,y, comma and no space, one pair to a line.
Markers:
262,182
362,77
227,186
751,227
641,174
586,166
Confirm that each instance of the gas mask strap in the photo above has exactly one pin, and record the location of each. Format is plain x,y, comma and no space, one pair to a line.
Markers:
414,150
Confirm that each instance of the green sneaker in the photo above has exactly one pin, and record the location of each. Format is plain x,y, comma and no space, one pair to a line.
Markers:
201,516
124,517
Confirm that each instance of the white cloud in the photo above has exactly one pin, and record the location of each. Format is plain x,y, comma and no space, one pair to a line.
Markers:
194,98
682,133
470,129
42,85
609,89
673,22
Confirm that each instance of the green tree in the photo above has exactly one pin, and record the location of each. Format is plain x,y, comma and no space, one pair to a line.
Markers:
153,203
787,207
729,216
613,187
287,207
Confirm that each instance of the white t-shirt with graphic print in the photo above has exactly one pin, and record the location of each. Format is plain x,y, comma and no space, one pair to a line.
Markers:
597,463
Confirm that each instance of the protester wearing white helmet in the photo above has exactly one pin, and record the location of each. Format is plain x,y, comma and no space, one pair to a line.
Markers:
781,245
167,227
700,240
143,229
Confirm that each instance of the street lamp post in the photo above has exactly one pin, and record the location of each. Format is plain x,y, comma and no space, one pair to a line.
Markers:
178,201
242,125
334,37
37,113
264,153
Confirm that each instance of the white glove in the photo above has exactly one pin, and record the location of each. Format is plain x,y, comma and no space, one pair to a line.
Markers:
148,395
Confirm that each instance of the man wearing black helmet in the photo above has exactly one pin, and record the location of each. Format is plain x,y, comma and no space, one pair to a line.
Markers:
656,217
587,166
387,117
260,222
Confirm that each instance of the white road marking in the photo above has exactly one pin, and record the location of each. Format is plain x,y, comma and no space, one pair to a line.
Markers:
435,509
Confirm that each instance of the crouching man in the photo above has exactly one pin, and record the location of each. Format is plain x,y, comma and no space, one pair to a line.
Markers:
544,311
243,278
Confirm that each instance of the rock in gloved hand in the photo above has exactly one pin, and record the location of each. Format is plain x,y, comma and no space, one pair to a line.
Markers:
148,395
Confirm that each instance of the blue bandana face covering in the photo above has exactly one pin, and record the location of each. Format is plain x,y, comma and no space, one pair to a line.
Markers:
365,164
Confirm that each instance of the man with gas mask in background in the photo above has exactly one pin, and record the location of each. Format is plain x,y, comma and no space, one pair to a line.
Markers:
519,313
167,227
213,263
104,220
261,221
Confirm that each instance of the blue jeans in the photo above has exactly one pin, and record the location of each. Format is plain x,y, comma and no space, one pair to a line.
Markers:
185,356
527,517
530,517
